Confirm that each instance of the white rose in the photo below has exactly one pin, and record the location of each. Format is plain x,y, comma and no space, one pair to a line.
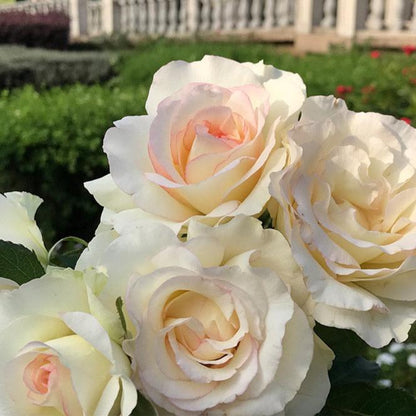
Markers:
211,136
216,328
17,222
348,207
56,358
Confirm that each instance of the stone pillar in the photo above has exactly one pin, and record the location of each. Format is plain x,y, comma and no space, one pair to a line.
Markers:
303,16
347,18
107,17
78,15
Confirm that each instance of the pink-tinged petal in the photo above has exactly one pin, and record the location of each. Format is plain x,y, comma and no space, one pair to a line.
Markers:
216,187
325,288
374,327
151,197
318,107
228,390
211,69
108,195
291,373
126,148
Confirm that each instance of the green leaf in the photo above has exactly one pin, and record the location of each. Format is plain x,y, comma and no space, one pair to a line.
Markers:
18,263
66,252
266,219
144,407
353,370
343,342
119,307
364,400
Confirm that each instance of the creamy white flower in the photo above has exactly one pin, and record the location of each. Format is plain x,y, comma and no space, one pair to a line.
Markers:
56,354
215,327
17,222
348,208
212,134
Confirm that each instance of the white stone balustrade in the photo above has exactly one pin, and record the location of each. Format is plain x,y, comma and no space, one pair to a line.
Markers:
342,18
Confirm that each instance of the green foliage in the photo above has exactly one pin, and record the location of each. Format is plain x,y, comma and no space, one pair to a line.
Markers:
47,68
364,400
51,142
18,263
144,407
353,370
343,342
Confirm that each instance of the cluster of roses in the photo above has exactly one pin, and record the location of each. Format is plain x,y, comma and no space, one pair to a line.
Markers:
218,307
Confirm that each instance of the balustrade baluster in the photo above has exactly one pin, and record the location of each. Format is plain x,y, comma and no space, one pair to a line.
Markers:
394,14
152,16
283,13
172,17
205,15
329,13
269,13
375,18
182,16
256,12
130,16
123,16
242,14
216,14
141,16
229,14
162,15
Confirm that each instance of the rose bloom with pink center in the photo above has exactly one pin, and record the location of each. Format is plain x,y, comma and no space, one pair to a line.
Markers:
56,356
213,132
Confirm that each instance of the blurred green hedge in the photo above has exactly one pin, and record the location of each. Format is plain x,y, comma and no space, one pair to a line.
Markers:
51,142
47,68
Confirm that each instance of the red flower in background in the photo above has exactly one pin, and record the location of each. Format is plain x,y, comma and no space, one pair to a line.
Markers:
406,120
342,90
408,49
375,54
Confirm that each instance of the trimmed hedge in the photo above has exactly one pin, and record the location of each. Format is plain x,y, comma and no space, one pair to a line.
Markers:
51,143
46,30
46,68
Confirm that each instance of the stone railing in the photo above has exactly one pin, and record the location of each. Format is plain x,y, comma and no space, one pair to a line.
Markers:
282,19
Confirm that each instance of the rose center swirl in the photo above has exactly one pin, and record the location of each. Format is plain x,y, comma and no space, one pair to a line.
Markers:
204,336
